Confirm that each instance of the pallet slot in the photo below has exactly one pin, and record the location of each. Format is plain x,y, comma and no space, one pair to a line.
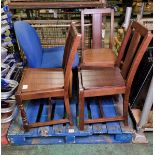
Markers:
95,113
109,111
32,111
59,114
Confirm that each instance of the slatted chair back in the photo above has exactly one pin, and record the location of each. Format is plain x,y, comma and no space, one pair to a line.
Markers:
72,43
97,15
133,47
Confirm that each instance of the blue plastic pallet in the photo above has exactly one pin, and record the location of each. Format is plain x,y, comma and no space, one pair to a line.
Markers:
99,133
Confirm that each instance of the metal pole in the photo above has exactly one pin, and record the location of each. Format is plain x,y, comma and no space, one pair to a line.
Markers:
147,107
142,11
127,17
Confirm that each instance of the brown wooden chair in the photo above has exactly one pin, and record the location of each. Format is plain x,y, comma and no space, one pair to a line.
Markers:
47,83
97,56
117,80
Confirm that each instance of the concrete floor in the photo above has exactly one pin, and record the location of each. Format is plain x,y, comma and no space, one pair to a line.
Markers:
76,149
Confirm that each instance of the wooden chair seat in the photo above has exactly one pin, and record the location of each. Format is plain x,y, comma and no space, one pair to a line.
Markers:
105,78
42,79
103,57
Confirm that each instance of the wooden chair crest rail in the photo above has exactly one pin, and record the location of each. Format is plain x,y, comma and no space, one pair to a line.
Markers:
36,4
117,80
98,56
47,83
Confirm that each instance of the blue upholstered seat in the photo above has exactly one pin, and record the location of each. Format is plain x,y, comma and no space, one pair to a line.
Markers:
37,56
57,58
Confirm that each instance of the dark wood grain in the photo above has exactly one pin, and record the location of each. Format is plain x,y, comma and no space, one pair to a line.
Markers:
81,109
36,5
39,124
22,112
98,56
47,83
130,53
42,94
36,80
102,57
117,80
104,91
101,120
97,30
123,46
107,77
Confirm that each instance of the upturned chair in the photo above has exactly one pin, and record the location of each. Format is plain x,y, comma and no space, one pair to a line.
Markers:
117,80
48,83
97,56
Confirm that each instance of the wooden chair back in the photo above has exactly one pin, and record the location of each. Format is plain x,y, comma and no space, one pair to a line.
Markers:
97,25
133,47
72,43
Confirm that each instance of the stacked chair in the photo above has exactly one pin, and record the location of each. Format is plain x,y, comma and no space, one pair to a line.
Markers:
97,56
98,77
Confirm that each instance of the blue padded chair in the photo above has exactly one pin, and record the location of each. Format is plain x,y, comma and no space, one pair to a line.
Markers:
37,56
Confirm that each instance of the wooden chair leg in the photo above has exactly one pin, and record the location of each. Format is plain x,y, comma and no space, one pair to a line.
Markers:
81,110
23,113
125,110
70,84
66,99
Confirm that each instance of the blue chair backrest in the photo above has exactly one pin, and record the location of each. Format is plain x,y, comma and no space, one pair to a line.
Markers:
30,43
